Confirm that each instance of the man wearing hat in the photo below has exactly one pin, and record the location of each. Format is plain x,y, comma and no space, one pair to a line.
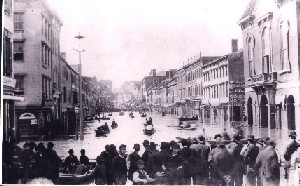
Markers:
27,157
140,176
70,162
289,151
234,150
119,167
100,171
40,164
53,162
146,144
221,163
132,160
83,158
249,153
201,152
268,164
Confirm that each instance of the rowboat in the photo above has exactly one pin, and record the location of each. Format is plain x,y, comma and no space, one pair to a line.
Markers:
188,118
101,132
88,119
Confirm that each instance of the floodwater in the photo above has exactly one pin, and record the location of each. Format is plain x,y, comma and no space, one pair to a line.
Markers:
130,131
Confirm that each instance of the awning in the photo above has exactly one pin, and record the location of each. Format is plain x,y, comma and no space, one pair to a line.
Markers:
15,98
27,116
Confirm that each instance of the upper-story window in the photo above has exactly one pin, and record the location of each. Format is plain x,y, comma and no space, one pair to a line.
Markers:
265,38
250,48
284,46
18,21
18,51
7,53
19,85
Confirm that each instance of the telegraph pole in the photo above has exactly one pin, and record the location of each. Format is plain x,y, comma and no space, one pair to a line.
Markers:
79,50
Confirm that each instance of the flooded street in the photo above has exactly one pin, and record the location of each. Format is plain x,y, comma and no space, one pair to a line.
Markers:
130,131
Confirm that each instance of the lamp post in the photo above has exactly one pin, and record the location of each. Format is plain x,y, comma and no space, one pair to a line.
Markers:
79,50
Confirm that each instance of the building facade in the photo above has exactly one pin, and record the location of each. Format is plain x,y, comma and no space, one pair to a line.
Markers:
271,54
36,45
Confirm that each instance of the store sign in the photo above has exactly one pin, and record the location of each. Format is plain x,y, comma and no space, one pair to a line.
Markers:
10,82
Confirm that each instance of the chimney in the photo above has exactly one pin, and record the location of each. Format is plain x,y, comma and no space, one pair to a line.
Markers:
153,72
63,55
234,45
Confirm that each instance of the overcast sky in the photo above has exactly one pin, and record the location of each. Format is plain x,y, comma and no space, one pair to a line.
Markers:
127,38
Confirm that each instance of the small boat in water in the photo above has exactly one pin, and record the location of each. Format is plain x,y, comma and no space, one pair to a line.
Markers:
121,113
188,118
88,119
105,118
114,124
110,114
100,132
149,130
144,115
187,126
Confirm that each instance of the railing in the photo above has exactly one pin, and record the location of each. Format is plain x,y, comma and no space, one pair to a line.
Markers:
265,78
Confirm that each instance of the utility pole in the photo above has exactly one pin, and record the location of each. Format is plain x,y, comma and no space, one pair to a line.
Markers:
79,50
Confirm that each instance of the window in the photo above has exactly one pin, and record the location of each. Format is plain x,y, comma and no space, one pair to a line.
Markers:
18,21
18,51
284,46
65,94
19,85
46,87
7,53
266,51
250,55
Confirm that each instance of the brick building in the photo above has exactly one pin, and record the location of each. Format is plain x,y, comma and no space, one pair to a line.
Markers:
271,54
36,45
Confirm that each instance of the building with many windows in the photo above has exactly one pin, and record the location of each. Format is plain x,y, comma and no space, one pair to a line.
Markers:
271,54
8,81
36,64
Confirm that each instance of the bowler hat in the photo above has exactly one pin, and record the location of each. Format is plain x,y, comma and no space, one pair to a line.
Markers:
70,151
176,146
163,144
184,142
26,144
146,142
99,159
172,143
122,146
82,150
201,138
136,146
140,162
152,144
50,144
293,134
250,137
32,144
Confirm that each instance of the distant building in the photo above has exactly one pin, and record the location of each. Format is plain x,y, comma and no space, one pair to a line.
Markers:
271,57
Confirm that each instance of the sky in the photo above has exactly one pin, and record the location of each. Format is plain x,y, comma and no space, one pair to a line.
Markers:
125,39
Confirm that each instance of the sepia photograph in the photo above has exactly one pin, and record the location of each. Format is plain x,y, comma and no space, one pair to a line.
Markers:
150,92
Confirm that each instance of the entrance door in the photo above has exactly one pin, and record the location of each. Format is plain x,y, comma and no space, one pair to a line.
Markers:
264,112
290,108
250,112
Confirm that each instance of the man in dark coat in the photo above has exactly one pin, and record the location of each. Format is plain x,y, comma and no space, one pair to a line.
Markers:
40,166
83,158
70,162
53,161
119,167
249,153
186,154
100,171
27,160
132,161
148,156
289,151
157,161
108,158
200,156
267,162
235,149
221,163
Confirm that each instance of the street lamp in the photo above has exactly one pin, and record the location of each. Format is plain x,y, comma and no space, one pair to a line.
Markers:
79,50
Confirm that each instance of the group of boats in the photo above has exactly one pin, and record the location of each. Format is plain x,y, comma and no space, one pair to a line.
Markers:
104,129
92,118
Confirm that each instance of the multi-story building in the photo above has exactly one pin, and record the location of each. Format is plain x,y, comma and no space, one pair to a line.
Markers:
271,54
9,83
36,45
223,89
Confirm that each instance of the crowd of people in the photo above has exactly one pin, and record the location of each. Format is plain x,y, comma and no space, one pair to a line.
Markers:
227,160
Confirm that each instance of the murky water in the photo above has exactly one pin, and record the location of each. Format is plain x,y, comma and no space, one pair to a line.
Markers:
130,131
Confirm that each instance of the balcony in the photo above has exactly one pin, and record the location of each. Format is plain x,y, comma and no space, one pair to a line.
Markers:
263,79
